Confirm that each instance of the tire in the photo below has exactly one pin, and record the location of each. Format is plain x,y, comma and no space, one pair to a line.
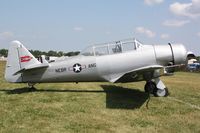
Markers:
161,93
150,87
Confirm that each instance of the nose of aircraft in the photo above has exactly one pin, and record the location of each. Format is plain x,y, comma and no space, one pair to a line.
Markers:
179,53
170,54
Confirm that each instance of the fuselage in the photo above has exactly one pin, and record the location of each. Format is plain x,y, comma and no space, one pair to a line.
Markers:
114,62
117,62
101,68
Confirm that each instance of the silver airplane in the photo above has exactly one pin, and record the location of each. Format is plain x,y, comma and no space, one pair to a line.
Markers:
117,62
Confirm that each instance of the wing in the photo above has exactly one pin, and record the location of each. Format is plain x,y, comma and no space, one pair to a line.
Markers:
140,74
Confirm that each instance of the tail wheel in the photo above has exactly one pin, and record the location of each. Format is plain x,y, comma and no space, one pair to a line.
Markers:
161,92
31,85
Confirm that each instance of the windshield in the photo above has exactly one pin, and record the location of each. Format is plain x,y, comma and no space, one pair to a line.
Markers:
88,51
112,48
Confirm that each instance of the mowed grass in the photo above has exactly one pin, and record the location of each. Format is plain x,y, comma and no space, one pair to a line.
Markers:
100,107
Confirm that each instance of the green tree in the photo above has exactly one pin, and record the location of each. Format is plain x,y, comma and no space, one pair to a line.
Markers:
37,53
60,53
198,58
52,53
72,53
4,52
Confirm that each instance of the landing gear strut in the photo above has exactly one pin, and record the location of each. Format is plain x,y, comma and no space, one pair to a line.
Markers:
31,86
156,87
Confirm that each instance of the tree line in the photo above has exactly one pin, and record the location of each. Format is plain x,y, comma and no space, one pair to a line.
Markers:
37,53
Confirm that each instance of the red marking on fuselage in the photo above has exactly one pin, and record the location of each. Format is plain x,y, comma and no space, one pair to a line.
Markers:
25,58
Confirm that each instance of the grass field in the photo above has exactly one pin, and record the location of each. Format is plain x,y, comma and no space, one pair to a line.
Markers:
100,107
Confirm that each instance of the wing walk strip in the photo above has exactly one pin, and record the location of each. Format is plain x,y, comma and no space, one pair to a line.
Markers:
183,102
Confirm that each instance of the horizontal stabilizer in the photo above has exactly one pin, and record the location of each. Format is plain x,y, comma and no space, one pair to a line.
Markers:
32,67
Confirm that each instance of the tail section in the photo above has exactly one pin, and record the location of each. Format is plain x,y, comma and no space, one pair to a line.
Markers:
18,59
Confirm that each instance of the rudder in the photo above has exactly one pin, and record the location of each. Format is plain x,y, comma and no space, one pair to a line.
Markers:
18,58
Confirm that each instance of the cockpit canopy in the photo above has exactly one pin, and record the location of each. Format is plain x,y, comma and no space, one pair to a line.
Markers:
112,48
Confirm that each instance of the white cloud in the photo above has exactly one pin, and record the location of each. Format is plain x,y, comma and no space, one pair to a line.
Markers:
78,28
191,9
198,34
6,35
145,31
175,23
153,2
165,36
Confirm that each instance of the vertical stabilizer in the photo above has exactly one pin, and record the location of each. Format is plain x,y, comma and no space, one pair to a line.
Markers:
18,58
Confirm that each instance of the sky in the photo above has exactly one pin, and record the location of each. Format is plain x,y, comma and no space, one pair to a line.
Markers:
71,25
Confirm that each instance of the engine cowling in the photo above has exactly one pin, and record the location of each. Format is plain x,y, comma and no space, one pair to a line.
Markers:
172,54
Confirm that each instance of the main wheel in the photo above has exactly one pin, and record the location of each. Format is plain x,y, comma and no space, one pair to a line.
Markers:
150,87
161,92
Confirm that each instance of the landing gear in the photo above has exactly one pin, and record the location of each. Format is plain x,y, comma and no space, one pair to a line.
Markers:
156,87
161,92
31,86
150,87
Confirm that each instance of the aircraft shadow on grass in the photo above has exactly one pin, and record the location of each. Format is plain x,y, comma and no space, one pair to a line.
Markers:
116,97
124,98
